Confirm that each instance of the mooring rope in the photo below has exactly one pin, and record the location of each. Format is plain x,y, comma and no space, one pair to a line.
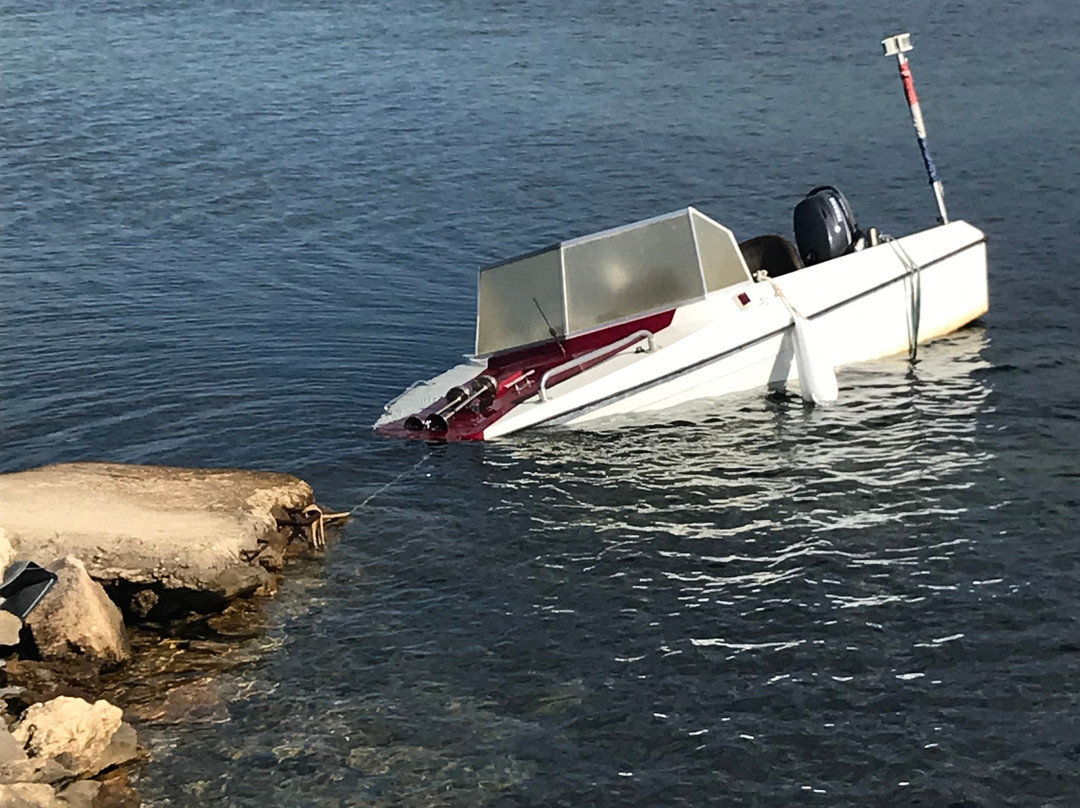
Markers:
794,312
394,481
915,312
314,518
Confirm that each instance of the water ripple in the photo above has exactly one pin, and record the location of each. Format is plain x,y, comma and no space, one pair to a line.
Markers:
231,232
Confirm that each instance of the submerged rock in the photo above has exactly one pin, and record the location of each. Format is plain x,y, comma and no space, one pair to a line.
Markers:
115,791
77,619
34,680
191,702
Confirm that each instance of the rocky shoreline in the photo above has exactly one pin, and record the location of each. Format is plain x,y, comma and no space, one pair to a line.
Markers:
130,546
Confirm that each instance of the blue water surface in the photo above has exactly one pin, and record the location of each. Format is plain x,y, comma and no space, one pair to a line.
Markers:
231,230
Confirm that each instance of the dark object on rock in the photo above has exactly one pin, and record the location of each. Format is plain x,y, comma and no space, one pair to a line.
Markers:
155,603
25,584
313,519
143,602
299,517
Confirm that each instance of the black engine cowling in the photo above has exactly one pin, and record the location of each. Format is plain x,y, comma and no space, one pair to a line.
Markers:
825,226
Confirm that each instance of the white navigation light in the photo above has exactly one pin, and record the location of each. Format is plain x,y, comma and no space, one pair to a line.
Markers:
901,43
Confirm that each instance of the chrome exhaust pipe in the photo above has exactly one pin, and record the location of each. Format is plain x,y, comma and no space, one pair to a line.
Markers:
483,390
455,394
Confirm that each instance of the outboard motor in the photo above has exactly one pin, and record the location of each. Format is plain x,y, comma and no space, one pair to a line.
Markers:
825,226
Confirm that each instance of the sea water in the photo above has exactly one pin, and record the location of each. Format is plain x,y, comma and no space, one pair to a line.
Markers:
231,231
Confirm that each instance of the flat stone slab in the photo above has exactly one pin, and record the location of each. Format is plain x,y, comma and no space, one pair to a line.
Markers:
177,527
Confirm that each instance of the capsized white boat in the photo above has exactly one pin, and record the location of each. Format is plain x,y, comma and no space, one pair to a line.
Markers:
663,311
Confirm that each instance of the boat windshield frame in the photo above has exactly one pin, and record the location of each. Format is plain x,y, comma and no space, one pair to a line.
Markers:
612,276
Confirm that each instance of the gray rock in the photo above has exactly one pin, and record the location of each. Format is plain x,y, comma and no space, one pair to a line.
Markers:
242,581
7,552
123,746
146,524
29,795
77,619
67,736
10,626
80,794
15,766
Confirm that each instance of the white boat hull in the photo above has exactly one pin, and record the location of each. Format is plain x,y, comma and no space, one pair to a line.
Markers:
740,338
860,305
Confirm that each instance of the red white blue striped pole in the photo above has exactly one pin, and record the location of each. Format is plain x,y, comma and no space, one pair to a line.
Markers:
897,46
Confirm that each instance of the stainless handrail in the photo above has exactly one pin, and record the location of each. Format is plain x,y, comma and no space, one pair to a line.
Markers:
613,349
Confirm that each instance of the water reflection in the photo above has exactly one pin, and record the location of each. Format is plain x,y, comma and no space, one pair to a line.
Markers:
743,593
706,571
897,451
776,540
